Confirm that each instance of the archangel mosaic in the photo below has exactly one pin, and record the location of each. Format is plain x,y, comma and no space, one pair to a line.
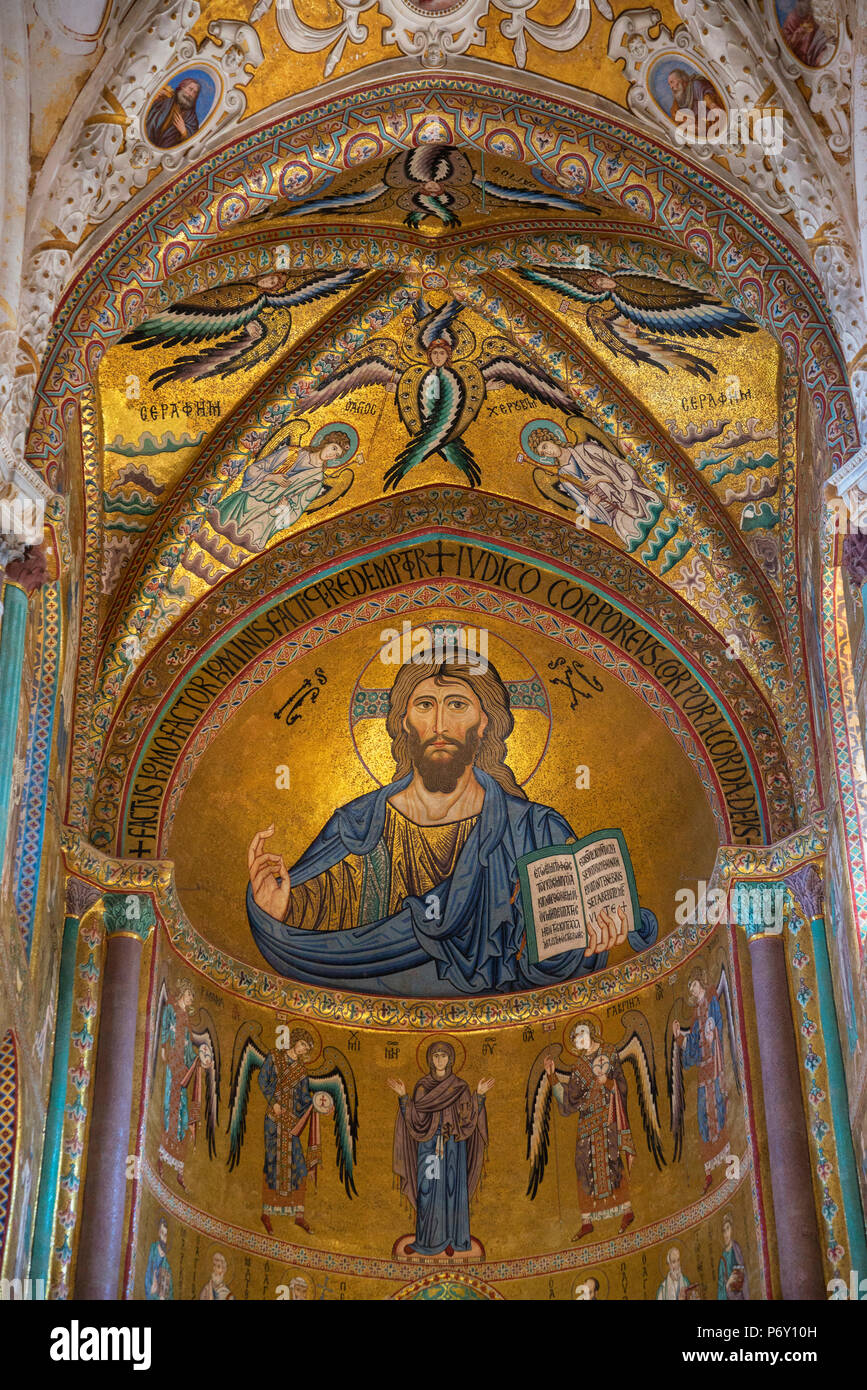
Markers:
432,664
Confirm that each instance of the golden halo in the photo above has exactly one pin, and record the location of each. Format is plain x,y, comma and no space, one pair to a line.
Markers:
456,1043
531,707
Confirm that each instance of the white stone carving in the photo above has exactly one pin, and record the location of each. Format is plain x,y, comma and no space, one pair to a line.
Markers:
432,30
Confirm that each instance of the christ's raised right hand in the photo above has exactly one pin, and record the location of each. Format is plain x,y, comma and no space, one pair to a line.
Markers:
269,877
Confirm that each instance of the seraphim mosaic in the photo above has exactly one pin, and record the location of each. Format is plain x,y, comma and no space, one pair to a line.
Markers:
432,700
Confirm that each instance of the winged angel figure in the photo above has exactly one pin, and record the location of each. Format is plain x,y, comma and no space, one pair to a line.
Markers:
593,1086
296,1095
701,1044
244,323
638,316
440,389
189,1046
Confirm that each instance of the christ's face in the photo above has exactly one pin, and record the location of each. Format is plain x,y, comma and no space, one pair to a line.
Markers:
187,92
445,724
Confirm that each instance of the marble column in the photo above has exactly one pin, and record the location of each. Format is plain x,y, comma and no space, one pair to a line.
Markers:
806,886
80,897
129,918
800,1256
22,577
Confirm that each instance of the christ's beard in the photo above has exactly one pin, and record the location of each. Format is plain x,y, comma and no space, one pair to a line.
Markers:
440,773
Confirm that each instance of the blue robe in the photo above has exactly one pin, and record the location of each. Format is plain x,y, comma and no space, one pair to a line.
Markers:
158,1266
710,1099
476,945
443,1199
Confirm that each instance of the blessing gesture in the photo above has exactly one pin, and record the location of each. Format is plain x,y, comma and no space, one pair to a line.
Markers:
269,877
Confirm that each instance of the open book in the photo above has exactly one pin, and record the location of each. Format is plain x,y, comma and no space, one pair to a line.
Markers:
565,887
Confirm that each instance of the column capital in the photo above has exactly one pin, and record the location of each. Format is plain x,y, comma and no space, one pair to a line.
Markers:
808,890
80,897
30,571
129,914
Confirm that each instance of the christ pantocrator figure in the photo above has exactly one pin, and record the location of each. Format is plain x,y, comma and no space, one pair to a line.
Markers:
414,887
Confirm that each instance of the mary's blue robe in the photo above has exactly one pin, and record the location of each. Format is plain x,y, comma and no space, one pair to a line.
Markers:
474,947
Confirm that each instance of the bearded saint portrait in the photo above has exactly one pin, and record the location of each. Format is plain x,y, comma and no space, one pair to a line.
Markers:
413,888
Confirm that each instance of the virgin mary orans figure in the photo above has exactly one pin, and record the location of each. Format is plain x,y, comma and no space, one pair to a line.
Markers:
440,1137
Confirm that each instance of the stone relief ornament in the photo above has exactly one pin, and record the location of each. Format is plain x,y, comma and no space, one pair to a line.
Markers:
432,30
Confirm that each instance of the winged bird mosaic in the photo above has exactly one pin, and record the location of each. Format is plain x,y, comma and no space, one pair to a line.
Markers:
296,1095
440,385
641,317
593,1085
243,324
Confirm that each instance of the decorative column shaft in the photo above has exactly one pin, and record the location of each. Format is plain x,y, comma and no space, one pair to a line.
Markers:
800,1256
22,577
807,887
80,897
129,918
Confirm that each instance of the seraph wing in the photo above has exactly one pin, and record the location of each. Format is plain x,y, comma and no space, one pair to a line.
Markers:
162,1001
331,202
317,284
434,431
377,366
505,370
538,1117
248,1056
532,197
335,1075
207,1033
562,279
724,991
437,323
637,1049
674,1079
201,318
663,306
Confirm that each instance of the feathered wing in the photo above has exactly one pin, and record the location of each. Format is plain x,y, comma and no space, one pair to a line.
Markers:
331,202
724,992
335,1076
504,370
674,1079
376,365
532,197
206,1032
248,1055
663,306
252,327
563,279
438,426
637,1049
538,1117
162,1001
436,323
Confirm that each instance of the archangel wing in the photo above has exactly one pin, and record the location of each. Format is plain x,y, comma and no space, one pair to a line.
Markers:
437,323
661,306
248,1056
331,202
335,1076
533,197
376,365
724,992
538,1117
505,370
205,1035
162,1001
674,1078
637,1049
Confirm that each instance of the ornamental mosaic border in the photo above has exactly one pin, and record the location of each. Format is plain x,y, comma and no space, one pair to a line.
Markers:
40,731
10,1092
89,962
424,594
492,1271
63,372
